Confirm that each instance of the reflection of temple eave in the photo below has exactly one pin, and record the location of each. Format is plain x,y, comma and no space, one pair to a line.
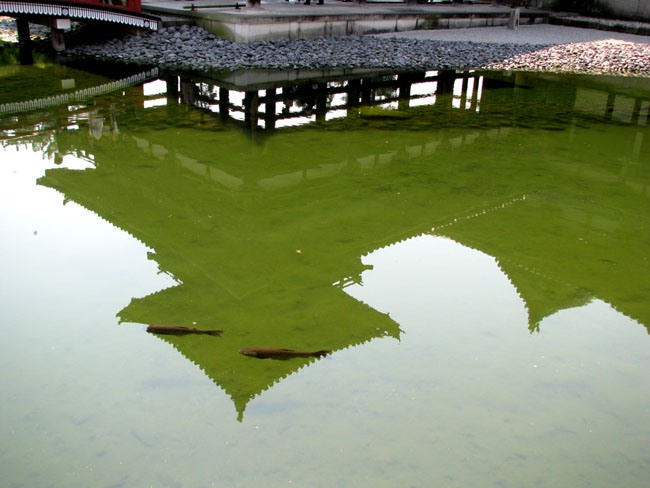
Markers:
240,405
475,213
241,402
79,95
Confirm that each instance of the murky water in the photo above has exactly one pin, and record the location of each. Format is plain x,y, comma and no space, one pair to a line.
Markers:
473,248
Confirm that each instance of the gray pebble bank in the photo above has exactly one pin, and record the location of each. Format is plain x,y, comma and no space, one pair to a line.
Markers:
607,56
192,48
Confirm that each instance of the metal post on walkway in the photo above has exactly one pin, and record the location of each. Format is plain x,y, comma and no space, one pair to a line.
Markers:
513,21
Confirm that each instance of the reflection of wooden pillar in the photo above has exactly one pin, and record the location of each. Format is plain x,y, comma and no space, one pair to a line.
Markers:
463,93
269,109
446,80
251,103
321,101
172,88
24,42
404,82
354,92
474,101
636,111
58,40
609,109
366,91
188,92
57,27
224,103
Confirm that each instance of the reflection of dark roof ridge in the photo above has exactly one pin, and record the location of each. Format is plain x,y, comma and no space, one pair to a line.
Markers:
477,213
482,212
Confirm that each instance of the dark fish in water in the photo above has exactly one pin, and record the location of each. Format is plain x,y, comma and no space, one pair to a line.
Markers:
174,329
270,353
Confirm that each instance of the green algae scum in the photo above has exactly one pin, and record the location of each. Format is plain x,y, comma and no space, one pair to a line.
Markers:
473,247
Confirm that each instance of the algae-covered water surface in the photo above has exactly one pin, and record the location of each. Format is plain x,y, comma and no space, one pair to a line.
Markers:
472,247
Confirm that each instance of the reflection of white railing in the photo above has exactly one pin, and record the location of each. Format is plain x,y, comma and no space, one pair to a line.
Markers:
79,12
18,107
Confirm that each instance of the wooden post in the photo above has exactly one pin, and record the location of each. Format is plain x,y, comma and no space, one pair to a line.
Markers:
24,42
57,28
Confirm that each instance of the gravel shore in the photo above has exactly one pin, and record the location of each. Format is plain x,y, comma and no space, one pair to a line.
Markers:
192,48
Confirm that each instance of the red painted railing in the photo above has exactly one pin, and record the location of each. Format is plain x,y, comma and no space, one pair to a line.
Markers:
130,5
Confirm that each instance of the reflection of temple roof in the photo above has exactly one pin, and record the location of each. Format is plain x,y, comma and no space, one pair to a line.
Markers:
226,217
560,257
322,317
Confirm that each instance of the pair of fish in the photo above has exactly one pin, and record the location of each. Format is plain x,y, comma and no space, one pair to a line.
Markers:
253,352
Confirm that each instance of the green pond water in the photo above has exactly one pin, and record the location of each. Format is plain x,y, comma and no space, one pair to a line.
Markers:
472,247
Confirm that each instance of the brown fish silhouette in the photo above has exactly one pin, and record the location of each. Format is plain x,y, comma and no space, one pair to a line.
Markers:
174,329
271,353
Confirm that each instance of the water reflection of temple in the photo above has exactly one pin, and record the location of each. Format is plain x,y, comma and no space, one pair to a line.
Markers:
260,103
227,217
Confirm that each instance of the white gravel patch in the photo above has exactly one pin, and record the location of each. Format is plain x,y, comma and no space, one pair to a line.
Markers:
525,34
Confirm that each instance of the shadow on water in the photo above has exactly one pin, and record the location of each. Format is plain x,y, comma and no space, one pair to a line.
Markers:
259,195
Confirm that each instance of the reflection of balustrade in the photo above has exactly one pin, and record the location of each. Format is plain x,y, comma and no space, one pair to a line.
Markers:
278,106
79,95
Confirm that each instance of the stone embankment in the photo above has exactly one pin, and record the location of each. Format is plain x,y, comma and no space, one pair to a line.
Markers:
192,48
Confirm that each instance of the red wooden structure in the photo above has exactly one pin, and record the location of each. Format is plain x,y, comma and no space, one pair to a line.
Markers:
59,13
